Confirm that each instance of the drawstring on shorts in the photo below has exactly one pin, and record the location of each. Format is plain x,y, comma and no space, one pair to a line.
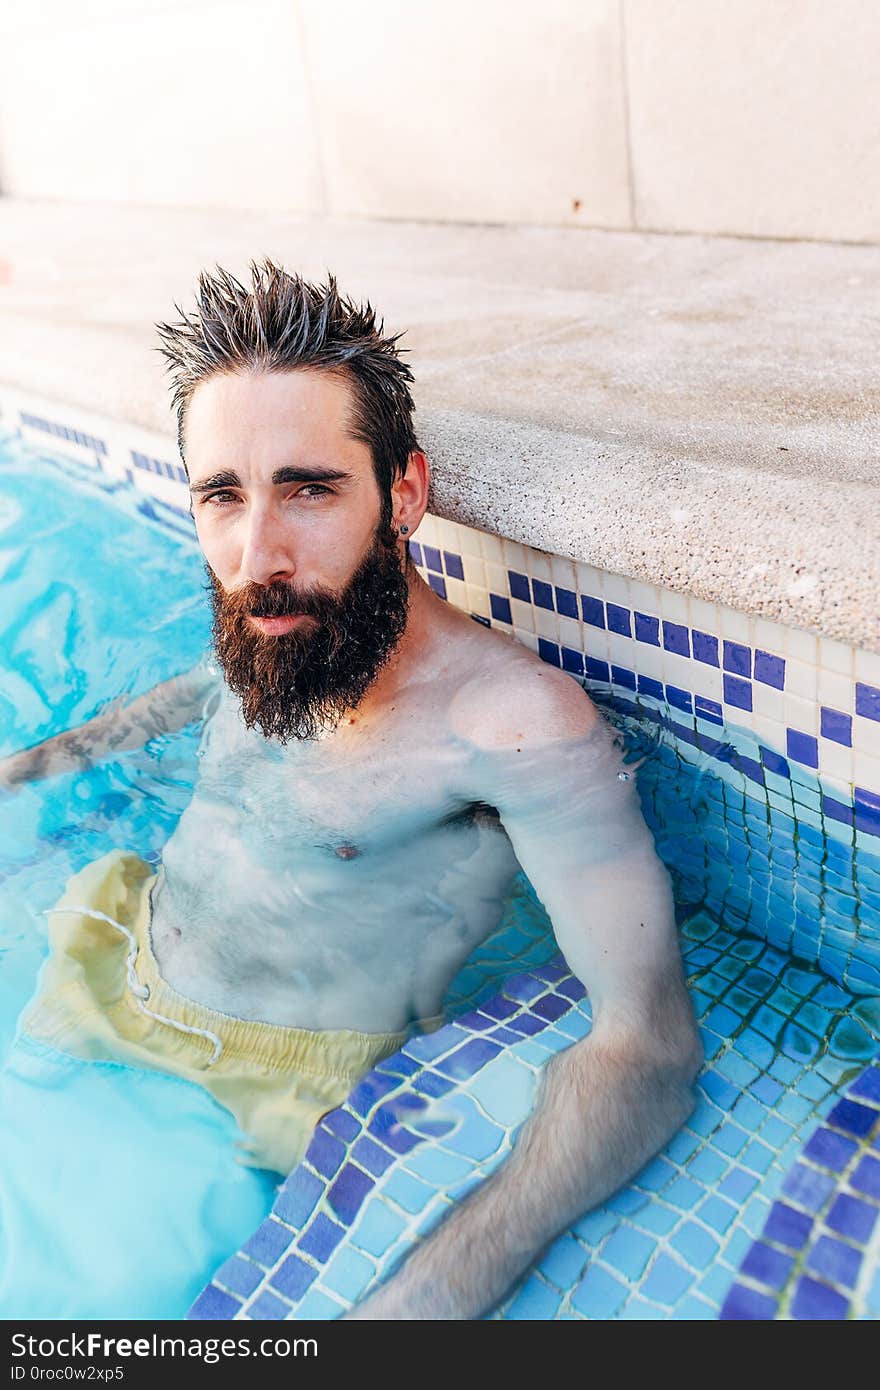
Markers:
142,992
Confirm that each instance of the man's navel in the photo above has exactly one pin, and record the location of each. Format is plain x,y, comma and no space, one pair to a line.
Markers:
347,851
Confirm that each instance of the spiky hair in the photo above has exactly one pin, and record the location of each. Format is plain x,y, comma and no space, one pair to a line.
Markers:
284,323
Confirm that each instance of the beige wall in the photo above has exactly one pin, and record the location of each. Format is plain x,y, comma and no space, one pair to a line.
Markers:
754,117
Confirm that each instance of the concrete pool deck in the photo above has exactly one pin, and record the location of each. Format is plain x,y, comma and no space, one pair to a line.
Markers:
697,412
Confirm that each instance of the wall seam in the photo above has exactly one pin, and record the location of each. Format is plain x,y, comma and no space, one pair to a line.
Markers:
624,71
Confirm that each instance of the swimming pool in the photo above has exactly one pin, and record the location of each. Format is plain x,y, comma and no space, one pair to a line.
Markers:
777,882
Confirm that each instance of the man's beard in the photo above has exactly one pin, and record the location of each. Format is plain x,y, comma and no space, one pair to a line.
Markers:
301,683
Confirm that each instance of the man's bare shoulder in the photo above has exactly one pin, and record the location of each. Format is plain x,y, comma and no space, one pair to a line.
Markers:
508,697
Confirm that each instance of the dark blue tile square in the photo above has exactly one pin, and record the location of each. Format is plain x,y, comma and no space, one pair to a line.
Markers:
807,1187
738,659
679,699
596,670
500,608
830,1150
621,676
867,701
866,1177
343,1123
325,1153
774,762
239,1276
213,1304
854,1118
572,661
297,1199
368,1092
815,1302
852,1217
519,586
321,1239
432,558
705,648
868,1084
837,810
543,593
803,748
743,1304
647,629
770,670
430,1084
268,1241
836,726
834,1261
551,1007
294,1277
593,610
415,551
566,603
438,584
478,618
348,1192
648,686
372,1156
454,567
549,652
676,638
787,1226
468,1060
618,619
738,692
867,810
767,1266
708,709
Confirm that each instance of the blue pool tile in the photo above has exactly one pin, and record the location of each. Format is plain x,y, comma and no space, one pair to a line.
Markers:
648,686
294,1277
767,1266
836,726
317,1306
676,638
737,692
628,1252
808,1188
267,1242
803,748
454,567
770,670
599,1294
548,651
593,610
705,648
708,1167
213,1303
814,1301
325,1153
378,1229
852,1117
321,1238
572,661
618,619
342,1123
542,593
372,1156
737,659
737,1185
432,558
867,813
774,762
349,1191
438,1167
268,1308
647,629
407,1191
438,584
683,1193
852,1217
298,1198
621,676
787,1226
519,586
868,1085
730,1139
657,1219
717,1213
566,602
695,1245
830,1150
679,699
564,1261
743,1304
534,1302
831,1259
348,1274
708,709
667,1281
499,606
596,670
867,701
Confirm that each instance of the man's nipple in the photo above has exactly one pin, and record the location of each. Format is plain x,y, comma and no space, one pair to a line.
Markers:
347,851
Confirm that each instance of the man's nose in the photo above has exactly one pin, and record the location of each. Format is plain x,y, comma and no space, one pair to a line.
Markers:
266,555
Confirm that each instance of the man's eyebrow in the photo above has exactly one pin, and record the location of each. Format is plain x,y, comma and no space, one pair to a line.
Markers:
290,474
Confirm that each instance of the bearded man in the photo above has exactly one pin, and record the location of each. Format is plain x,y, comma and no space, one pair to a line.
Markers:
375,770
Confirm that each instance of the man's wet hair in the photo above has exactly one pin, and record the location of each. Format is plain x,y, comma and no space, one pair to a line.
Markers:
282,324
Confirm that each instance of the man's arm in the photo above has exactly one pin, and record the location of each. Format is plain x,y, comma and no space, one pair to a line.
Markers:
164,709
609,1102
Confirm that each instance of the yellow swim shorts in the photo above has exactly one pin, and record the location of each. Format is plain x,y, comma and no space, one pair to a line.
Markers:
101,998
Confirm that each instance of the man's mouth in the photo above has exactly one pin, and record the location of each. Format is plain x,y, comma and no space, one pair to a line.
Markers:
274,627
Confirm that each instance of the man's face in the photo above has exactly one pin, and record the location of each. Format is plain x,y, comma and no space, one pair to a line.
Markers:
307,583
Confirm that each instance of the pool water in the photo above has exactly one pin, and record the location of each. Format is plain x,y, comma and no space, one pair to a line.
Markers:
777,921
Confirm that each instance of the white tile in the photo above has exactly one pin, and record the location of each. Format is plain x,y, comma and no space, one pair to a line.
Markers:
469,539
474,571
867,667
538,565
478,602
835,691
675,607
767,702
649,661
545,623
570,632
616,589
836,656
563,572
866,770
515,556
801,714
528,639
496,577
703,616
426,530
456,593
708,681
801,646
523,614
866,736
644,597
800,680
835,761
492,548
736,627
769,637
589,580
677,670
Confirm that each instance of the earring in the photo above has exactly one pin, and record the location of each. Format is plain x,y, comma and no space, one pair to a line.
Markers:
404,530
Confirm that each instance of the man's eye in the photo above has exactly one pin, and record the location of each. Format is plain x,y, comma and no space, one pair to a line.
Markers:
221,498
313,490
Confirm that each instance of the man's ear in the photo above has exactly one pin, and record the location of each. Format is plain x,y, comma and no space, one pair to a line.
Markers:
409,493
